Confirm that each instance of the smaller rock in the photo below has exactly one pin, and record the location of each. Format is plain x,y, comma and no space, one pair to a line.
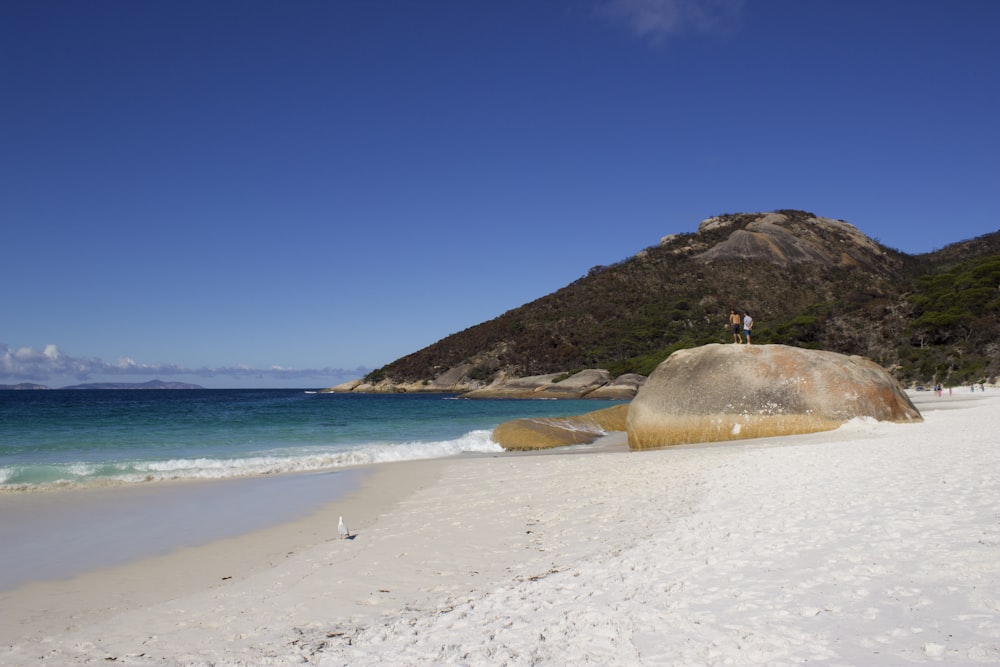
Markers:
547,432
343,388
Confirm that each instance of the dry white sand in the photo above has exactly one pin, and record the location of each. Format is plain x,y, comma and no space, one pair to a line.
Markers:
874,544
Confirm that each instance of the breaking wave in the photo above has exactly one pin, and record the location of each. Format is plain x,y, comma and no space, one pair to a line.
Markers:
286,460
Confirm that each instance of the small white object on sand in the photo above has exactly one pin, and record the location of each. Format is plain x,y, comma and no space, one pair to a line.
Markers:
342,529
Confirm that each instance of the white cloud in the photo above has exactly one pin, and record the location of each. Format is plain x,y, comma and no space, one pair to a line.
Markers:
657,20
28,364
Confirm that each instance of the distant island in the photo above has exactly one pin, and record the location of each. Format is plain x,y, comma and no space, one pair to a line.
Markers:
152,384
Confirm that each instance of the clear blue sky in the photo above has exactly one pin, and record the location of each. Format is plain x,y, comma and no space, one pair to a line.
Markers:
248,193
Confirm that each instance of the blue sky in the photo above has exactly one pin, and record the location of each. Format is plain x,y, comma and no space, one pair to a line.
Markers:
247,193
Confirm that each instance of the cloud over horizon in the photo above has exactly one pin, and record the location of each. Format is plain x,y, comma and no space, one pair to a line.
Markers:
657,20
28,364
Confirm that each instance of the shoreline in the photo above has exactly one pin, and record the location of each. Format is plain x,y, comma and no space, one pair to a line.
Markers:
875,542
32,611
37,606
61,534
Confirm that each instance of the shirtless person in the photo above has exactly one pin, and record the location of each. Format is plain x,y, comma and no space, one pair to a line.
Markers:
736,322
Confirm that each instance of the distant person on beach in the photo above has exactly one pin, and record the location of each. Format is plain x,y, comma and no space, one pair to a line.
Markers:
747,326
734,320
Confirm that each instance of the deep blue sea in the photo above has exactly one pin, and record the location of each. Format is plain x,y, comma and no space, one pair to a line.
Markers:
92,437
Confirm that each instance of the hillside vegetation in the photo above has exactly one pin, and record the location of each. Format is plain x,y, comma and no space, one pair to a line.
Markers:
807,281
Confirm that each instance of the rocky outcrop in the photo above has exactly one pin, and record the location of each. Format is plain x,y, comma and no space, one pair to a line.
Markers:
344,387
593,383
554,385
729,392
438,385
774,238
622,388
548,432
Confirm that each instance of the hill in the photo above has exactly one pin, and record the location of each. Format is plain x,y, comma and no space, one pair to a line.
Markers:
808,281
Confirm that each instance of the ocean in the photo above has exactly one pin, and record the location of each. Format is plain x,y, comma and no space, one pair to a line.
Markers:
225,451
60,438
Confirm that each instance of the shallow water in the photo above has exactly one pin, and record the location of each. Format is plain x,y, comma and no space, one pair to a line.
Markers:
59,535
73,437
169,469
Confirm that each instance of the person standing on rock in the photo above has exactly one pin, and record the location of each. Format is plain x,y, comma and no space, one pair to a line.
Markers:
734,321
747,326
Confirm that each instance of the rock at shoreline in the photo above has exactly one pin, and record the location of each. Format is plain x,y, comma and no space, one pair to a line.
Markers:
730,392
591,383
577,385
343,388
623,388
548,432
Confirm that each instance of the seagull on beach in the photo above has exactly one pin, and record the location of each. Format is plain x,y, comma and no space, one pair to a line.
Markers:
342,529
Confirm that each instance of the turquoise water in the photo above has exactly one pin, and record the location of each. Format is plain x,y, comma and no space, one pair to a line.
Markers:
91,437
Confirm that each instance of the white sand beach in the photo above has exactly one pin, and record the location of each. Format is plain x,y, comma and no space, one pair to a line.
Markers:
875,544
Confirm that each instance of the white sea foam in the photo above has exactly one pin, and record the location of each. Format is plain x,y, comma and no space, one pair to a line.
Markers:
309,459
82,469
859,425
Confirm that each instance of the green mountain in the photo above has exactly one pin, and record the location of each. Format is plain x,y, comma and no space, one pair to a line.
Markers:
808,281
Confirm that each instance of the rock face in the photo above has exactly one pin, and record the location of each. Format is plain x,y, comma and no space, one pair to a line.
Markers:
547,432
769,239
729,392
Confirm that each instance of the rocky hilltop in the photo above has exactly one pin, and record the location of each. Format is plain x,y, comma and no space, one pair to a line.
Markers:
808,281
782,239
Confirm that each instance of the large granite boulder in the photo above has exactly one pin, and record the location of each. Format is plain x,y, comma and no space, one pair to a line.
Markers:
729,392
547,432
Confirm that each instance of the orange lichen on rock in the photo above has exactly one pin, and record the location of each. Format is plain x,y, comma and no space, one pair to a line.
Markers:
547,432
731,392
